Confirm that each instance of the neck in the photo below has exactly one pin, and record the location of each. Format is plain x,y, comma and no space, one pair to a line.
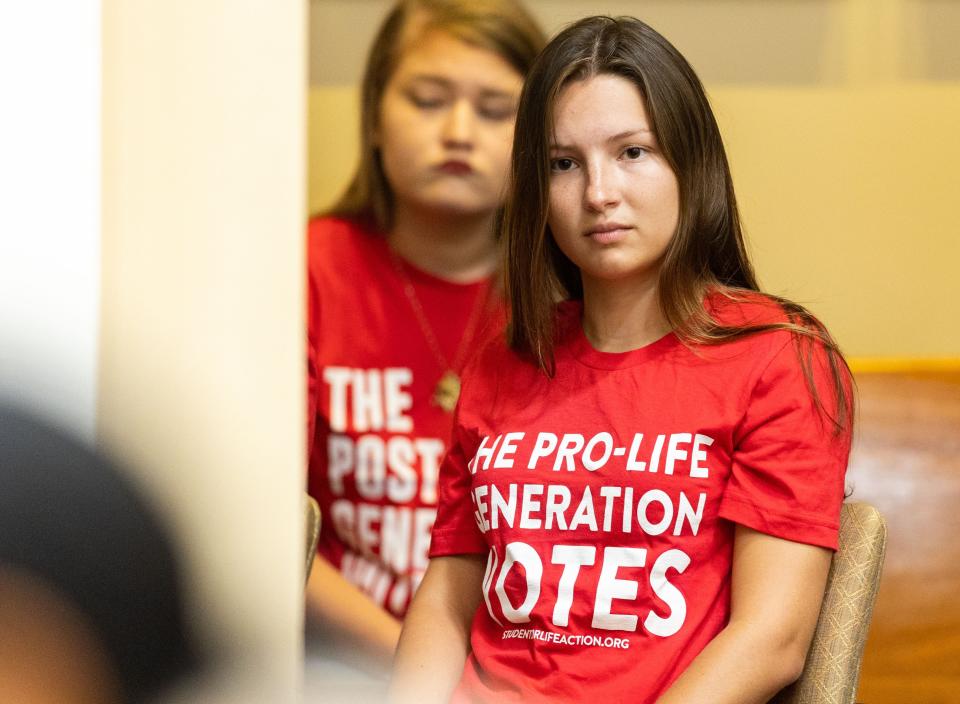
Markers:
458,248
621,316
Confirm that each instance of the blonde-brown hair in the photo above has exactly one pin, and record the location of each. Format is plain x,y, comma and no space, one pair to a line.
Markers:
501,26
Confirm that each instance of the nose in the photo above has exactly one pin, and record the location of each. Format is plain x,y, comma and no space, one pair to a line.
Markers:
458,127
601,191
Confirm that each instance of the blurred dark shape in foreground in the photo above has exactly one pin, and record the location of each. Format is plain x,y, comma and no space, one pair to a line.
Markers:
91,597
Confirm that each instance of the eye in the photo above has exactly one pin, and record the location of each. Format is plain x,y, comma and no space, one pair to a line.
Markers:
495,106
561,164
634,153
496,113
425,101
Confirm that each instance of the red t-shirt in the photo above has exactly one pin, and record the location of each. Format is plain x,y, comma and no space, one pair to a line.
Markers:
376,437
605,499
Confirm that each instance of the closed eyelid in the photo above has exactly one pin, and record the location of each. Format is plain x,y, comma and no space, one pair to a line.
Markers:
426,96
500,105
490,94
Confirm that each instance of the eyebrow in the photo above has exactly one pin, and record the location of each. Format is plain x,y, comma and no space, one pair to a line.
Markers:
613,138
447,83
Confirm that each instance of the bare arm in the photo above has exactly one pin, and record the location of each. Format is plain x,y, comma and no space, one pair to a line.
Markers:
349,617
775,600
436,633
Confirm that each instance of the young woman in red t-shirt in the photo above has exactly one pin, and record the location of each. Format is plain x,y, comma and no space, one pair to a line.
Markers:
400,290
643,489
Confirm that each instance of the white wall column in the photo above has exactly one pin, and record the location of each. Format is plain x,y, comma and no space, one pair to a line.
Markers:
201,365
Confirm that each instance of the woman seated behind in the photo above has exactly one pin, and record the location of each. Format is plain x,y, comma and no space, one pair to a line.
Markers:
643,490
401,288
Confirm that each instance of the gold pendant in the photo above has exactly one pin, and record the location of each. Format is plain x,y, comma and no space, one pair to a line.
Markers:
447,391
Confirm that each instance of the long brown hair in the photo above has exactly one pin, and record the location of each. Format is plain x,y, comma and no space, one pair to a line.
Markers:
706,254
501,26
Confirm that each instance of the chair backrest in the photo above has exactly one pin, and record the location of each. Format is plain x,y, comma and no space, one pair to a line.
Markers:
832,670
312,510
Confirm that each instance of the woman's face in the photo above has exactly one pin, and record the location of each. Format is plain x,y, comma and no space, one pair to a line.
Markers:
446,126
614,200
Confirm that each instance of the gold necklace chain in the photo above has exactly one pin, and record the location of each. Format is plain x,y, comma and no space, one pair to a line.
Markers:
447,390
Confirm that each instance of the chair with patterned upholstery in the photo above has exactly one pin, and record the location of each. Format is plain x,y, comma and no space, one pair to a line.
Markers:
832,670
312,511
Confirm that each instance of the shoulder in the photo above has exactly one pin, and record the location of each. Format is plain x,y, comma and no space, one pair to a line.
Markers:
790,349
769,320
342,244
757,338
745,309
770,327
330,234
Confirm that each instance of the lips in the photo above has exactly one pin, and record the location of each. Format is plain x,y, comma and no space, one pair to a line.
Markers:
608,232
454,167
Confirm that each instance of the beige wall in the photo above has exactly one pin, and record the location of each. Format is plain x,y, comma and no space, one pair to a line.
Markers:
847,196
200,385
840,120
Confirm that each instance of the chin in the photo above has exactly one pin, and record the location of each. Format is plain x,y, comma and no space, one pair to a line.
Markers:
613,272
460,206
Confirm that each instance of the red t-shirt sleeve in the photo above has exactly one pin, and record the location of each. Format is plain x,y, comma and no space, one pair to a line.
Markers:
787,476
455,531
